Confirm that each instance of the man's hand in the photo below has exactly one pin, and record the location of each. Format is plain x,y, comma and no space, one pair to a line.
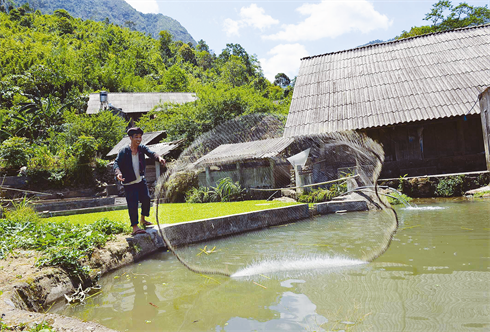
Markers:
119,177
161,161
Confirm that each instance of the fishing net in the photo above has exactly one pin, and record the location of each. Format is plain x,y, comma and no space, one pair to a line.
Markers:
252,151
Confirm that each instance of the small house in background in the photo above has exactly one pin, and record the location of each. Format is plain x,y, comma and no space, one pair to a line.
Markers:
257,164
168,150
417,96
132,105
148,138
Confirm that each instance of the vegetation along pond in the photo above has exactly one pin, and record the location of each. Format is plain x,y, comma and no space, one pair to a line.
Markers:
435,276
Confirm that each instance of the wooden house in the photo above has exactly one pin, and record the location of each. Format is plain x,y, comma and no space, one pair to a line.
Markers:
417,96
132,105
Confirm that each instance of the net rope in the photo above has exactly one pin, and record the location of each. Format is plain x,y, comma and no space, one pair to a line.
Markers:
357,151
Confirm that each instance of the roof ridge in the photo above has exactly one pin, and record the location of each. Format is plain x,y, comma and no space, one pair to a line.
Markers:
398,40
151,92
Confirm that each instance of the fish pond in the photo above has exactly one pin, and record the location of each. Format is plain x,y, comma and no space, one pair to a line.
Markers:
308,276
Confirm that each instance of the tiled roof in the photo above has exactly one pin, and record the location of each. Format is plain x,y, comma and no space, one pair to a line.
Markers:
147,139
426,77
139,102
230,153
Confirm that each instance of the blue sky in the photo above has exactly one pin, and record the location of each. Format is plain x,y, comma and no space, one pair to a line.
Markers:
280,33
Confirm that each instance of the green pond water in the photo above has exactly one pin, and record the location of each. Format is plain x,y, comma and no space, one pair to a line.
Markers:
307,276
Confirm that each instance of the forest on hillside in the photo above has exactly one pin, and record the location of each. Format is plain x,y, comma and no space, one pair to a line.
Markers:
115,11
50,63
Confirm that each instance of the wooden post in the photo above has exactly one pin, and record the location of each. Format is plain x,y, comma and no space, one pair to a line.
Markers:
272,166
208,176
299,180
157,170
485,123
239,171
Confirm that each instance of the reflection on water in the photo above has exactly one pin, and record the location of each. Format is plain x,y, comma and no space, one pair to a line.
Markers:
434,277
294,312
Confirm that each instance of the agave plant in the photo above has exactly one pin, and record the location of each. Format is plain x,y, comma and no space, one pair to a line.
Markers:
227,190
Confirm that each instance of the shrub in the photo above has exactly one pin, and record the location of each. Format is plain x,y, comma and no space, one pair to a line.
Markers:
225,191
323,195
21,211
14,153
178,184
450,186
228,191
42,158
201,195
316,196
402,198
84,149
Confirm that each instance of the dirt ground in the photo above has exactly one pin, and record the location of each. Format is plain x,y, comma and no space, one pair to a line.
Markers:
20,264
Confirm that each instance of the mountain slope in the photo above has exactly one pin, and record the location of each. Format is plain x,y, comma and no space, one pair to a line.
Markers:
118,12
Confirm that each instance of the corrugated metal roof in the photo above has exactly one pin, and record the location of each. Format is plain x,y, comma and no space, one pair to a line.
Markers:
426,77
165,148
147,139
230,153
139,102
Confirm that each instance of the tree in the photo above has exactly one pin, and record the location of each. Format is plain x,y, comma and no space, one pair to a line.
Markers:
35,118
165,41
282,80
62,13
202,46
175,80
234,72
204,59
187,54
461,16
250,62
130,25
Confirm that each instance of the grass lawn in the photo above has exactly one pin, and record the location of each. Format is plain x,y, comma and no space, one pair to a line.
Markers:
176,212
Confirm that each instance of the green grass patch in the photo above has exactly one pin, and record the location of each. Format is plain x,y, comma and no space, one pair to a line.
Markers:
481,194
177,212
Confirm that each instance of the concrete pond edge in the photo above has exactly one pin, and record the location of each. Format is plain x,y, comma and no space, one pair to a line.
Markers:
22,303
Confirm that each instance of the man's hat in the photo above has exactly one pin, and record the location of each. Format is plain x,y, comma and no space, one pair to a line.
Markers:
135,130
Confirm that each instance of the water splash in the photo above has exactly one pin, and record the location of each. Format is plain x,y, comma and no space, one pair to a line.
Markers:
422,208
300,264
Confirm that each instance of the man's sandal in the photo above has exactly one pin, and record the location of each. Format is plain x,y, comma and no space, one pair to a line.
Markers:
147,224
138,231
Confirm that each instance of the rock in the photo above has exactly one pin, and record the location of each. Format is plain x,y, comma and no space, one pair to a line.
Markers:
285,199
479,190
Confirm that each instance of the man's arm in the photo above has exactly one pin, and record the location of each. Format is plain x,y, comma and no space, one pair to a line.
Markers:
117,170
154,155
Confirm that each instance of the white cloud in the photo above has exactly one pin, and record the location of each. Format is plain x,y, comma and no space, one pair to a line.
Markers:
144,6
231,27
284,58
330,19
253,16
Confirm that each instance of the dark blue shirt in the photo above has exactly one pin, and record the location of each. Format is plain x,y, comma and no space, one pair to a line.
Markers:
124,162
